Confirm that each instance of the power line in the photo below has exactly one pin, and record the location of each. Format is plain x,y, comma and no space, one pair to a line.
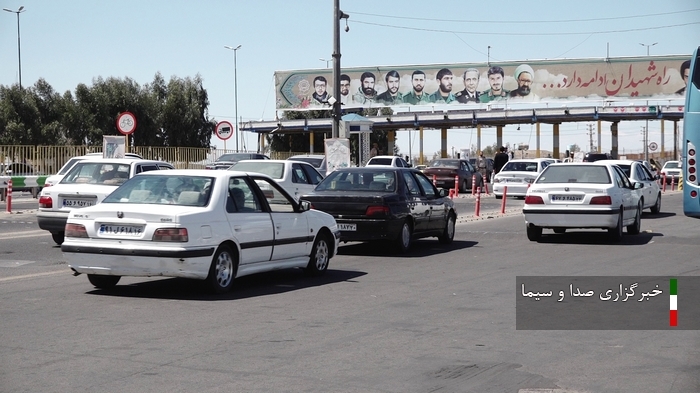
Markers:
526,34
523,21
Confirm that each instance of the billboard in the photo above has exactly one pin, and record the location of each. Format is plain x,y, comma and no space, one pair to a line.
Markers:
477,84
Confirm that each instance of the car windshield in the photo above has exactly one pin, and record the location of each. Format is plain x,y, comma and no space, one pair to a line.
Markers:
68,165
570,173
671,165
273,169
234,157
99,173
316,162
520,166
164,190
366,180
444,164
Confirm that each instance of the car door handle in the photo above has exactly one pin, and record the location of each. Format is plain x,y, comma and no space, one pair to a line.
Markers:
237,228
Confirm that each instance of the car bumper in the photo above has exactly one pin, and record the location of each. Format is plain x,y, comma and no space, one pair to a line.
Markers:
370,229
514,189
52,221
572,218
140,262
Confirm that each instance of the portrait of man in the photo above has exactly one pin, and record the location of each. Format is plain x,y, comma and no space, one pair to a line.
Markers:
471,81
320,95
417,96
524,76
496,77
367,92
391,96
345,97
685,74
443,95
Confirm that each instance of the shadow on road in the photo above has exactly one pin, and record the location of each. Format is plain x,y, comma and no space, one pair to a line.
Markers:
419,249
601,237
650,216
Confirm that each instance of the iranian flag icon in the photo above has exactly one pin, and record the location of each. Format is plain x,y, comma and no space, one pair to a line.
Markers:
674,302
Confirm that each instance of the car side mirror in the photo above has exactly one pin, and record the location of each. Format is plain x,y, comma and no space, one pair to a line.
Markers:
638,185
304,206
442,192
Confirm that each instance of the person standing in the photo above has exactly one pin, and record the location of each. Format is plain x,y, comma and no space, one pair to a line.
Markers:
375,150
499,160
481,164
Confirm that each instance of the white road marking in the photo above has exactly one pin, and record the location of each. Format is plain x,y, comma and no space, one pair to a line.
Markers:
14,263
13,278
23,234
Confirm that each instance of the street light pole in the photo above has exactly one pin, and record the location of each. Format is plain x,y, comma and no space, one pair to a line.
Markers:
646,129
337,16
326,60
235,88
648,46
19,51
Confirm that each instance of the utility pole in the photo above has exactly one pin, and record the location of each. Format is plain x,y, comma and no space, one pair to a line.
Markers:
590,137
645,137
336,111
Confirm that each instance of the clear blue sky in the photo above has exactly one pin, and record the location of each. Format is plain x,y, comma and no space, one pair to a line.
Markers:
72,42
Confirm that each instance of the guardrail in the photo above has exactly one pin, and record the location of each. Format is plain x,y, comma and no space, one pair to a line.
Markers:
33,183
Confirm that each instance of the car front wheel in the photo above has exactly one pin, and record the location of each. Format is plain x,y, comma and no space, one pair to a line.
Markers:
657,206
103,282
222,270
320,256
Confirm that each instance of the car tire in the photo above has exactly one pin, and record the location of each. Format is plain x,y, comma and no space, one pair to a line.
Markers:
559,230
656,209
615,233
102,281
58,237
448,234
498,196
223,270
403,241
636,226
320,256
464,186
534,233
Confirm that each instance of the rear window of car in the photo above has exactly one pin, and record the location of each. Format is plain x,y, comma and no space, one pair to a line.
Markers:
445,163
595,157
164,190
368,180
379,161
316,162
273,169
569,173
520,166
101,173
671,165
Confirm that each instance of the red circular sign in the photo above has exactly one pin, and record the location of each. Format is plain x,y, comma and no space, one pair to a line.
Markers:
224,130
126,123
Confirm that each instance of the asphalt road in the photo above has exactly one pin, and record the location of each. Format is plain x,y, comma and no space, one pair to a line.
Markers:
438,319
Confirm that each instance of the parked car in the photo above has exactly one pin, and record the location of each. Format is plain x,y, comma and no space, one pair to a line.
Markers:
226,160
518,175
228,228
489,167
295,177
650,194
53,179
593,156
87,183
317,160
444,171
583,195
671,170
393,161
385,203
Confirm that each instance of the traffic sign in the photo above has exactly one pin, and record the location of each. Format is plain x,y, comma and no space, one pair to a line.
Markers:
126,123
653,146
224,130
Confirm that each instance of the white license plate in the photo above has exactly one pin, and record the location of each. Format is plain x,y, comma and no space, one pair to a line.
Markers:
347,227
567,198
514,181
79,202
121,230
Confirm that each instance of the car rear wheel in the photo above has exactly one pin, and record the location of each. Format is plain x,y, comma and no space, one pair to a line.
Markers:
464,186
320,256
657,206
403,242
559,230
448,234
103,282
636,226
222,270
498,196
534,233
615,233
58,237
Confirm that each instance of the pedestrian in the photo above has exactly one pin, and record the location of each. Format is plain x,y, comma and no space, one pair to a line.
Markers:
375,150
500,159
481,164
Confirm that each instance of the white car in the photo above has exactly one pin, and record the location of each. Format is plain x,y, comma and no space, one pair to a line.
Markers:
583,195
318,161
518,175
225,225
297,178
54,179
670,171
87,183
637,171
394,161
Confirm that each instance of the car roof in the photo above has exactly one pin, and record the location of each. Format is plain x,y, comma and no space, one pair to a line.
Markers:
385,157
201,172
273,161
125,161
624,162
307,155
530,159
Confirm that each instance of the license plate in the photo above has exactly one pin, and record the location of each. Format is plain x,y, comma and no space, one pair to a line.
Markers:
120,230
78,202
567,198
514,181
347,227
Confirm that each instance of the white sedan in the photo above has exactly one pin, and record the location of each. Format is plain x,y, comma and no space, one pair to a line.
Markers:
518,175
583,195
637,172
223,225
297,177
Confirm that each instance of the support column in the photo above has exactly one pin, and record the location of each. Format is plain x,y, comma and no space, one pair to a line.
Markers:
613,131
499,137
663,148
420,134
555,141
600,140
261,143
675,140
311,142
478,139
391,141
443,143
537,140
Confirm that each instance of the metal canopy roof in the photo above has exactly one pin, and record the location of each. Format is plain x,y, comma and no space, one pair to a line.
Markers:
472,118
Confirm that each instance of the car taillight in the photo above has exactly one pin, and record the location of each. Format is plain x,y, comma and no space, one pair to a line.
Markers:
530,180
76,230
377,211
45,202
601,200
534,200
496,180
170,235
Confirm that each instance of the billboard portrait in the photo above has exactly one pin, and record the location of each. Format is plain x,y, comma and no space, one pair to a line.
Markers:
479,84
